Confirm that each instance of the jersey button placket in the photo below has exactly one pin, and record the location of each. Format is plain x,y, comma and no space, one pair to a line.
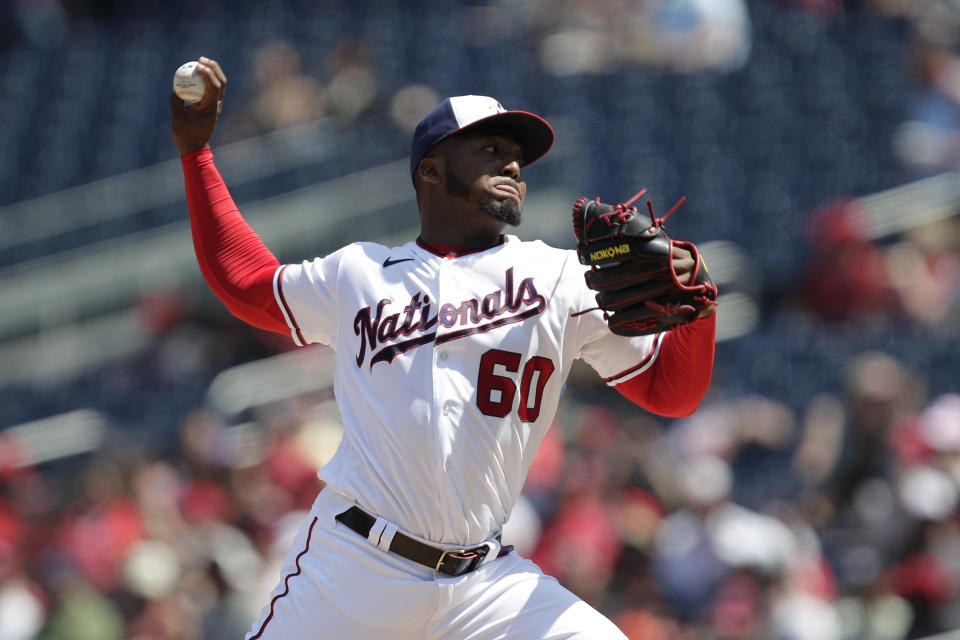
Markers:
441,390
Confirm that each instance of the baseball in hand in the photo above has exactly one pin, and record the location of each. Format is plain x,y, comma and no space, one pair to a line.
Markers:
188,84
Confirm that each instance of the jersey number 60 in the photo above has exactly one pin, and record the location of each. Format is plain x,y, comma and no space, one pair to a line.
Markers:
495,393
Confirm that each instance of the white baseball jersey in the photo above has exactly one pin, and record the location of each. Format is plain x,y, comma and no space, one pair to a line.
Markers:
449,371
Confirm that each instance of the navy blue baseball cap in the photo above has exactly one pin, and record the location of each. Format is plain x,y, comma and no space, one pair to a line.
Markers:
460,113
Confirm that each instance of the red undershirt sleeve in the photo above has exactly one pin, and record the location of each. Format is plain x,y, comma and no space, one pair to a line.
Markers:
678,379
236,264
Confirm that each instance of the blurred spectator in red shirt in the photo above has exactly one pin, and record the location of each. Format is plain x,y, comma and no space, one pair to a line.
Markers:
846,275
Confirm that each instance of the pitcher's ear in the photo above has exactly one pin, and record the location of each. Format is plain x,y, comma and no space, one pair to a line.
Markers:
429,170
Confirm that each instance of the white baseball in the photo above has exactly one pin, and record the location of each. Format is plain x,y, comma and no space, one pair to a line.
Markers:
188,84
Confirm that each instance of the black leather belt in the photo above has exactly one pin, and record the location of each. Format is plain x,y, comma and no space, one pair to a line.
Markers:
451,562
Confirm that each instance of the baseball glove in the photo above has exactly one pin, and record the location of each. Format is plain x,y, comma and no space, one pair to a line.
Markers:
632,270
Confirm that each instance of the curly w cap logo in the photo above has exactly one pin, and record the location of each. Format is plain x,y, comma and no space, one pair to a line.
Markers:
469,109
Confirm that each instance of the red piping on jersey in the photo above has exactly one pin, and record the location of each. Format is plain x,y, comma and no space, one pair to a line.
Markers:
641,364
286,582
286,307
453,251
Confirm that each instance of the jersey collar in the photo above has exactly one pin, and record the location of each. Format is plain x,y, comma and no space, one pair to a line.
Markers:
450,251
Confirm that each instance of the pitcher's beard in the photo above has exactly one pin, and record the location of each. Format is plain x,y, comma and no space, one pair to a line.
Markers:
503,210
507,210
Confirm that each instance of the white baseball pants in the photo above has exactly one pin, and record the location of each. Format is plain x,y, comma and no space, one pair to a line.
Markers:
335,585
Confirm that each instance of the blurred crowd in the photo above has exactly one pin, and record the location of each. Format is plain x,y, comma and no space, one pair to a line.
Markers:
747,520
910,279
753,519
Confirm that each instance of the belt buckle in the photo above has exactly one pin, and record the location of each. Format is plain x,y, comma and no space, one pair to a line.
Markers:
473,556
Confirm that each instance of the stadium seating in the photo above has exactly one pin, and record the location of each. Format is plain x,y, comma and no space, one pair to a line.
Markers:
808,117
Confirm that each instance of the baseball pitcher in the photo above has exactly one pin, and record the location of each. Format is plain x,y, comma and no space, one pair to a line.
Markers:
451,355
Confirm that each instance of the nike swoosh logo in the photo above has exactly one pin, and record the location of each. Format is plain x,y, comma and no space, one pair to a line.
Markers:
389,262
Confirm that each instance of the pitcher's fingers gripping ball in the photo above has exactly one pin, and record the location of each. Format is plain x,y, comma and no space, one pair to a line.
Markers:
633,269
